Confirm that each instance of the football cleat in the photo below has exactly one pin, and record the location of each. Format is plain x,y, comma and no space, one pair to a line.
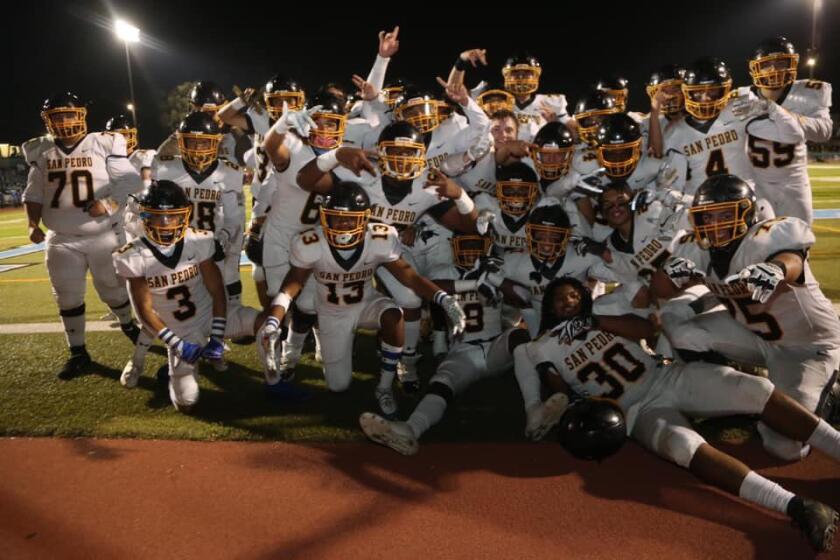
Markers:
131,374
75,365
816,520
544,416
386,401
396,435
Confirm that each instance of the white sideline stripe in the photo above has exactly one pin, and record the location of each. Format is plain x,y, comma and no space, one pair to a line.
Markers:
105,326
39,328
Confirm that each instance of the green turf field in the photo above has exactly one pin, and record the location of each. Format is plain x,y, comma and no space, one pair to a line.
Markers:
232,405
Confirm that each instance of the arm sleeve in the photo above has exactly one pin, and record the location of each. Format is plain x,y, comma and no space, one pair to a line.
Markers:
377,72
478,126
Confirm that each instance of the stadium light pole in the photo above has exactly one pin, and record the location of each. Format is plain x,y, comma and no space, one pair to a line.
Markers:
127,33
812,52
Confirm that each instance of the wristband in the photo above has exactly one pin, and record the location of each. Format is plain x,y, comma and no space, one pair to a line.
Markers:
168,337
464,203
461,65
274,322
238,104
439,296
282,300
328,161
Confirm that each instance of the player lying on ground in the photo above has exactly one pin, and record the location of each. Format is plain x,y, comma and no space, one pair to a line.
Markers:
344,254
584,355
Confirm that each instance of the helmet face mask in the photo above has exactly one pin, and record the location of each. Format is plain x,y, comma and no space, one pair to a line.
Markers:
620,160
295,101
516,197
199,151
123,125
494,100
422,112
775,70
66,123
401,158
130,135
620,96
674,101
706,101
588,123
467,249
546,242
393,95
717,225
165,212
344,215
330,132
522,79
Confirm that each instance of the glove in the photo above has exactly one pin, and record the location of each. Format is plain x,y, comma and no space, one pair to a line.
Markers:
569,330
641,201
188,351
666,176
682,271
254,248
457,319
214,349
270,338
588,246
747,107
302,121
592,183
485,219
488,286
223,238
762,279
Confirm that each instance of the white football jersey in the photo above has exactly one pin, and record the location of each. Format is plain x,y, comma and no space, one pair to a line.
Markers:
719,145
216,194
585,159
484,321
794,315
508,232
142,159
404,207
345,278
781,170
651,238
179,296
599,364
530,118
65,181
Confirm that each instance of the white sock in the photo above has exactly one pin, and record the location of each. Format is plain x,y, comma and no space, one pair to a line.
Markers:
428,413
412,337
826,439
389,358
144,341
758,490
526,376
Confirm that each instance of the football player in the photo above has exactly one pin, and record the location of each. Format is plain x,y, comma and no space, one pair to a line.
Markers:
712,139
776,316
344,254
178,290
70,171
618,88
667,104
781,169
583,355
400,194
485,349
521,74
517,192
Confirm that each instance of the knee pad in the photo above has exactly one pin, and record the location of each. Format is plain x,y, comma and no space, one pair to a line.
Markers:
337,380
676,443
183,392
781,447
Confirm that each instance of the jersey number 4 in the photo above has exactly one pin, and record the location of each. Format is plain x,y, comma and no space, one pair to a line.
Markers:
81,184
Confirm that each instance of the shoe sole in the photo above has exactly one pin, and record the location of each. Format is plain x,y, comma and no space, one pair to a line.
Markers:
389,411
828,535
130,376
552,413
379,431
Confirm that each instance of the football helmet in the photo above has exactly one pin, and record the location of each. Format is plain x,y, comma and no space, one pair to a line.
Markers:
495,99
619,145
65,117
467,248
165,212
401,151
590,110
393,92
669,76
552,150
706,88
331,120
279,89
517,189
206,96
521,73
774,63
125,126
419,108
198,140
618,88
547,232
345,213
592,429
722,211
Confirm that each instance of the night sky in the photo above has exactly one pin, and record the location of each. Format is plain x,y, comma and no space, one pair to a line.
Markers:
60,45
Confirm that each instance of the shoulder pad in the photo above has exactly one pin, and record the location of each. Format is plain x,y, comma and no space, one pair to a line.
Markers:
32,148
229,163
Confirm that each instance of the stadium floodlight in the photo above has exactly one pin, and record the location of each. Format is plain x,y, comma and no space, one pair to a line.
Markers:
126,32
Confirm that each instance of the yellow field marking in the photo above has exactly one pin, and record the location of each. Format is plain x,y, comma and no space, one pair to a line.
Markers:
21,280
825,228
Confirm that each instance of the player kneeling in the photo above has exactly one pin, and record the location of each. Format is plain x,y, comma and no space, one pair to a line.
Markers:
177,288
344,254
484,351
592,355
